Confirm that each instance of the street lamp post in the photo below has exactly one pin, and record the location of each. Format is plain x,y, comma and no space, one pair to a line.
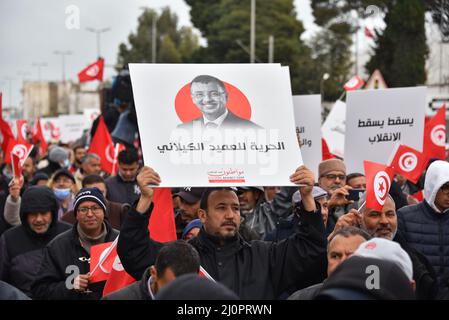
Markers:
153,35
63,54
323,78
253,31
39,65
98,32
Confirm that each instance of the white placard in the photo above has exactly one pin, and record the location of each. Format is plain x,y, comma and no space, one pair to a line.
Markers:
376,120
307,111
91,114
333,129
261,150
50,129
72,127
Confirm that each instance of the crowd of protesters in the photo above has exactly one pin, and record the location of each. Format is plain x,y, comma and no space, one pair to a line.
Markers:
297,243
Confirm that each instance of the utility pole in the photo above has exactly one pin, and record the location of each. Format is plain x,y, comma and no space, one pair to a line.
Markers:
153,39
253,31
270,49
153,35
63,54
39,65
98,32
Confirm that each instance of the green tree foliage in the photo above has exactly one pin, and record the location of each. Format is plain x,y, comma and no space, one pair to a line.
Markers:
173,44
400,51
226,26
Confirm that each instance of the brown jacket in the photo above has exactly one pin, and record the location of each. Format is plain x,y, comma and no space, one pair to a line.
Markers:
116,213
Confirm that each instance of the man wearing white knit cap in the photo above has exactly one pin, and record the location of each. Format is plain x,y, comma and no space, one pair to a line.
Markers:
383,249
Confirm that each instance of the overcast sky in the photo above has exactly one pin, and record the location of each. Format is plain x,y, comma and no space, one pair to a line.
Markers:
31,30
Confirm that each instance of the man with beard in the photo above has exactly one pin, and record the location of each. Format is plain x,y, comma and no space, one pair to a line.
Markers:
384,224
22,247
253,270
79,152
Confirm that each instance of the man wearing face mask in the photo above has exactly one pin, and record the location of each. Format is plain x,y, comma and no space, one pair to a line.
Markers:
64,186
21,248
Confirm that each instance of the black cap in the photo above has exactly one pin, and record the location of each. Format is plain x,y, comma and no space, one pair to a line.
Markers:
64,172
190,194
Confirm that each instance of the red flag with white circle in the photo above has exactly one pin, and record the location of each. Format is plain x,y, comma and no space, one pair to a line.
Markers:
408,162
22,150
378,183
102,146
22,128
92,72
435,135
354,83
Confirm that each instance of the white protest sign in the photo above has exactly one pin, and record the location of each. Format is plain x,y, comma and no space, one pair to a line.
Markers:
50,129
72,127
333,129
244,135
90,115
378,119
307,111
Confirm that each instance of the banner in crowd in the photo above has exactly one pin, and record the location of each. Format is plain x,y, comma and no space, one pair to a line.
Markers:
307,111
91,114
51,129
376,120
216,125
71,127
333,129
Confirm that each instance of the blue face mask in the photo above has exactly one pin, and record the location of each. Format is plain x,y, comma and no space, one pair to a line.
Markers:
62,194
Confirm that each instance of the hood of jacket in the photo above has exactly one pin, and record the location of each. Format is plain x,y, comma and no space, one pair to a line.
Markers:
437,175
38,199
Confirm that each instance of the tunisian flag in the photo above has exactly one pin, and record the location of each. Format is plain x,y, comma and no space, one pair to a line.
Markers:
435,135
92,72
5,134
408,162
162,229
378,182
22,150
38,137
102,146
354,83
21,126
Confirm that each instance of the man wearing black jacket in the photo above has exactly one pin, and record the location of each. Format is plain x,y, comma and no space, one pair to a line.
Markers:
22,247
254,270
64,272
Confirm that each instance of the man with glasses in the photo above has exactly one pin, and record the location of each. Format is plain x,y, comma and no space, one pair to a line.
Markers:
426,225
64,272
211,97
332,178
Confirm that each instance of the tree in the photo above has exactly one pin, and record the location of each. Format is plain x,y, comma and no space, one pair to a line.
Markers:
400,51
226,26
173,44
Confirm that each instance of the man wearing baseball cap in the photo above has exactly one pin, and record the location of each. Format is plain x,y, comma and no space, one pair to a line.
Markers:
384,224
72,248
188,207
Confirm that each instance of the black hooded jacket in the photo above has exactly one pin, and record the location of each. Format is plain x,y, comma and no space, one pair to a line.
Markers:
253,270
21,249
